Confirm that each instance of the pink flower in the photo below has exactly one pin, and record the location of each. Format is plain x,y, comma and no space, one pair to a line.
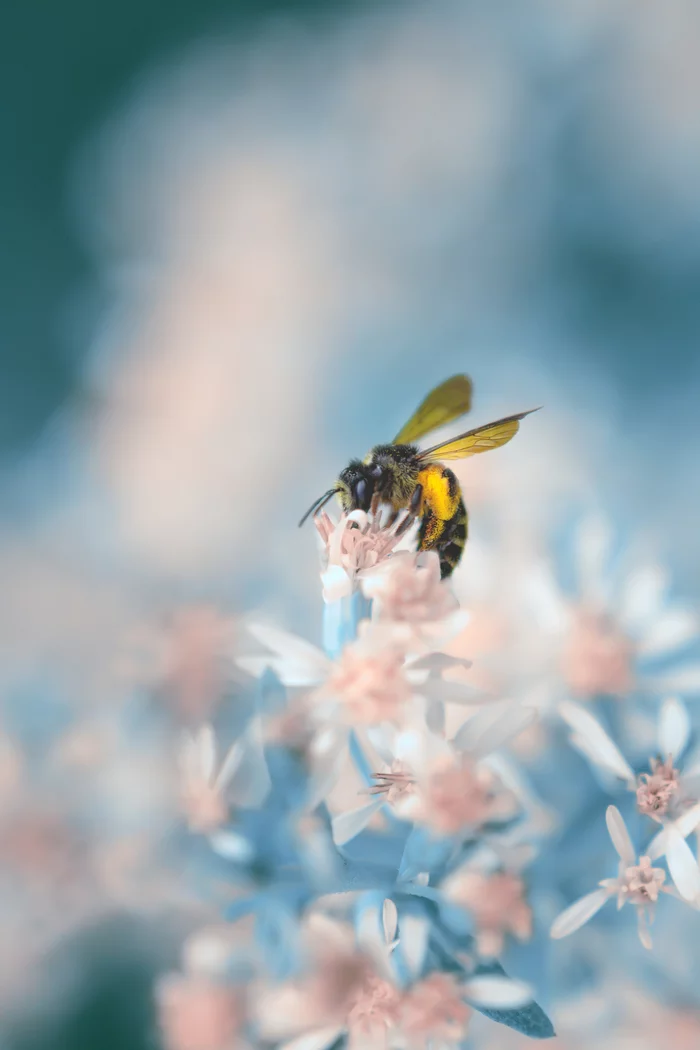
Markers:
665,791
656,790
355,546
198,1013
433,1012
412,604
636,883
597,657
347,989
370,684
497,903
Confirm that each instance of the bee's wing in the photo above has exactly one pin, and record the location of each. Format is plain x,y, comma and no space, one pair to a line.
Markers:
482,439
443,404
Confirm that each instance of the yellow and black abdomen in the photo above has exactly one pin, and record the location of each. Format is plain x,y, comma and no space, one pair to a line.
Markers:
443,516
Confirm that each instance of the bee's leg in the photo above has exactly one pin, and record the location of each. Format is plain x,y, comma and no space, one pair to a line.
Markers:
413,510
416,500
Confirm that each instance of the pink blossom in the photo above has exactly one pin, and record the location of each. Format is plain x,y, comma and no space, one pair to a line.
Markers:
656,790
433,1012
597,657
457,794
370,684
198,1013
637,883
356,545
346,989
374,1009
497,903
413,592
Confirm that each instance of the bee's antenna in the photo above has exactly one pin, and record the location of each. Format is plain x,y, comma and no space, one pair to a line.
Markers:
317,504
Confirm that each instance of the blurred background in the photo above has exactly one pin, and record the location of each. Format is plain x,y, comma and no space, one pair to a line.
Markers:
241,241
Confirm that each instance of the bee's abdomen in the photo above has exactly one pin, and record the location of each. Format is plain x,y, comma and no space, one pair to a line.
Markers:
444,516
454,540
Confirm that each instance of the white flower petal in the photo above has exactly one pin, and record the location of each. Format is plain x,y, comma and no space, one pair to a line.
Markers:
674,728
289,647
492,727
206,751
682,865
414,932
318,1040
389,920
232,846
685,680
619,834
336,583
492,991
593,544
244,772
684,825
326,756
578,913
668,632
643,929
642,596
597,745
544,599
345,826
289,673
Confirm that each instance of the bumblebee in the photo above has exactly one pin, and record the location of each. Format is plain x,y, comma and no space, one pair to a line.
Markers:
408,479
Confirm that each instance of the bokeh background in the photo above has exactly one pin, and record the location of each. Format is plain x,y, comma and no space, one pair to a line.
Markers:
241,241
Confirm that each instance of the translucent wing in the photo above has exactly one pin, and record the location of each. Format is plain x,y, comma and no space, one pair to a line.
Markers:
443,404
480,440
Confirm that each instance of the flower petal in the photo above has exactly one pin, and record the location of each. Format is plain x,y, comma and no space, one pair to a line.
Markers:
492,727
620,835
414,932
326,756
578,913
206,751
682,865
296,651
668,632
232,846
542,596
684,825
685,680
318,1040
642,594
336,583
244,772
643,929
389,920
592,739
674,728
593,543
495,992
345,826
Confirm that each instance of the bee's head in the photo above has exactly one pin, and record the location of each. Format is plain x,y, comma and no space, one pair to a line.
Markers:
357,484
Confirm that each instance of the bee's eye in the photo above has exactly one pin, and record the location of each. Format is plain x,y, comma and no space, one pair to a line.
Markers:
375,470
360,491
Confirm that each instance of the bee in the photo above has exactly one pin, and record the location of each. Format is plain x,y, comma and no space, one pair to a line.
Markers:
415,481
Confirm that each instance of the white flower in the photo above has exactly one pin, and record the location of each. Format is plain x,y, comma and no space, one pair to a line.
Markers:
448,787
370,683
660,793
242,778
355,546
411,601
600,643
637,883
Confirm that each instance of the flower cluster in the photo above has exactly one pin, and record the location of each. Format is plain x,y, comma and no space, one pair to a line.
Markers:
373,829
